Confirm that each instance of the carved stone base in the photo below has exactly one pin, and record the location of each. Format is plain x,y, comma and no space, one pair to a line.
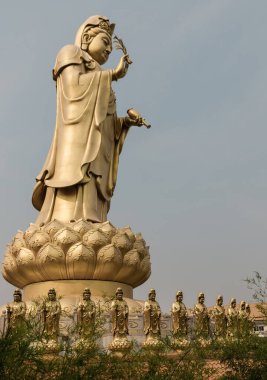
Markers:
50,346
179,343
70,293
83,345
204,342
79,250
120,345
153,342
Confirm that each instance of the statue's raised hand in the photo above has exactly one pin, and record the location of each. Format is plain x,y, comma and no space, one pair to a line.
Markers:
121,69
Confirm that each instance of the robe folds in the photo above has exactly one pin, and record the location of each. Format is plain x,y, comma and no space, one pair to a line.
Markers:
80,172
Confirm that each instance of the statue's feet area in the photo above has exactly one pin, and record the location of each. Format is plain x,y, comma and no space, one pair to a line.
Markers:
79,250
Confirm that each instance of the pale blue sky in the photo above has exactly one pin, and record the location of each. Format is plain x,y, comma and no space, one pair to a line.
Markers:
194,184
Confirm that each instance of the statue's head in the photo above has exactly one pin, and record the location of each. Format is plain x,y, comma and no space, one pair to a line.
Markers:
233,302
248,310
179,295
201,297
220,300
52,294
17,295
119,293
152,294
243,305
87,294
95,37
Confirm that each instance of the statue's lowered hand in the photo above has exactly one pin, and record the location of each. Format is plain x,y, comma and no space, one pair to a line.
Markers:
136,118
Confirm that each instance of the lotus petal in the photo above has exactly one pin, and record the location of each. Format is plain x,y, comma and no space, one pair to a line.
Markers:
51,262
82,226
122,242
95,238
109,262
130,267
80,262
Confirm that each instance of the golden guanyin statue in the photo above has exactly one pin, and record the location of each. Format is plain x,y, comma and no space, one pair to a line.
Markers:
152,316
79,175
202,318
72,238
119,316
232,319
119,313
86,312
219,318
51,311
245,322
16,311
179,317
250,319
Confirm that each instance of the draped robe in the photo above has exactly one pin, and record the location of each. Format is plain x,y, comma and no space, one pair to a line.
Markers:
80,172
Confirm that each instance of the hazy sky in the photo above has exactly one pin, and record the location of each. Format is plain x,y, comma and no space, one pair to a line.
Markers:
195,184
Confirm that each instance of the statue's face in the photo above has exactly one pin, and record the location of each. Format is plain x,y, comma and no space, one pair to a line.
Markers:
87,296
243,306
220,301
179,297
233,304
100,48
51,296
119,296
152,296
17,298
201,299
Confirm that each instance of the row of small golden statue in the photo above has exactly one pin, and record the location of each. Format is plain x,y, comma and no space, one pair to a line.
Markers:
231,324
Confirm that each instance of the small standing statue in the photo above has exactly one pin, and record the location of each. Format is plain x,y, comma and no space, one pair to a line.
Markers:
51,314
249,319
201,319
152,315
119,315
243,320
219,318
232,320
86,314
179,320
16,312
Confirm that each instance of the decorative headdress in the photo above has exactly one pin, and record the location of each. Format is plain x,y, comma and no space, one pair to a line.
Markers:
179,293
201,295
87,291
232,300
101,22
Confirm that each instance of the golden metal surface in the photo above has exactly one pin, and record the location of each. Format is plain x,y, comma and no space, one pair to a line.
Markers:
119,314
232,320
86,314
16,311
219,318
152,316
80,173
72,289
78,250
71,238
51,311
202,318
179,317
